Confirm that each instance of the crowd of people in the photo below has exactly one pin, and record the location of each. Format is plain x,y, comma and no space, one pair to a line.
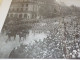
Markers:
13,27
66,45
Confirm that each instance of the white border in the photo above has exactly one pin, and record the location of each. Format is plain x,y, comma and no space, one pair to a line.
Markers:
3,11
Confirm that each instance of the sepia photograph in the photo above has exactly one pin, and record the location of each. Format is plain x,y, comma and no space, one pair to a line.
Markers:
39,29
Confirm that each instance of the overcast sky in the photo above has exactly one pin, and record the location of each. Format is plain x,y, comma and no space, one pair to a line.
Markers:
70,2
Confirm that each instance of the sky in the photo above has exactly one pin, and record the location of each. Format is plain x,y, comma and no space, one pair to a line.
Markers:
70,2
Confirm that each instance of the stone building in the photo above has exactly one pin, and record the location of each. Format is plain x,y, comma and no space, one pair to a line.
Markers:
27,9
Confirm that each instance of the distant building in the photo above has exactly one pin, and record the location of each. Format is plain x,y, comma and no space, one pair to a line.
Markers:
27,9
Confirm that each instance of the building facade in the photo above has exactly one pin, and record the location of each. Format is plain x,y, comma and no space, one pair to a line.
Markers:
27,9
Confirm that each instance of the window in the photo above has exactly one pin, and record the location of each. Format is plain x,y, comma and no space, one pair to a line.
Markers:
20,15
26,5
11,15
17,9
21,9
16,15
25,15
25,9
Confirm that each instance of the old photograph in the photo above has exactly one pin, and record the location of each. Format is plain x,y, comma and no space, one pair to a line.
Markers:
41,29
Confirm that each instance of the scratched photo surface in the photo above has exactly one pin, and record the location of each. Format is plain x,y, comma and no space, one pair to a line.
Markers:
41,29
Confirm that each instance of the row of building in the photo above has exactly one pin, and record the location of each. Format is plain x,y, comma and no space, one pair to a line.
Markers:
28,9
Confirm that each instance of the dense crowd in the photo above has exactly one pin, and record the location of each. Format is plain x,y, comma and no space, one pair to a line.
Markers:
58,45
15,26
48,48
